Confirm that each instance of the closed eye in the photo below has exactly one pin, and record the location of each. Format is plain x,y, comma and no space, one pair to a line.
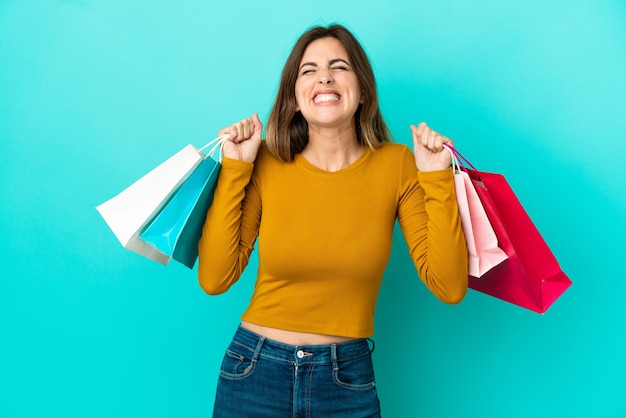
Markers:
336,64
333,68
339,63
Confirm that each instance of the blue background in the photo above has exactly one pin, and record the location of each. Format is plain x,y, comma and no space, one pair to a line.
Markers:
93,94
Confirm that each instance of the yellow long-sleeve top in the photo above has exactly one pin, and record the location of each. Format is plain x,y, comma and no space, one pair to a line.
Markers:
324,238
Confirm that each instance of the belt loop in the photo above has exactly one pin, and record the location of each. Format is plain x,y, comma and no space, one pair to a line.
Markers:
369,340
333,356
257,351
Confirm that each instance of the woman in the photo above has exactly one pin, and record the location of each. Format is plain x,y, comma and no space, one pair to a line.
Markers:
322,194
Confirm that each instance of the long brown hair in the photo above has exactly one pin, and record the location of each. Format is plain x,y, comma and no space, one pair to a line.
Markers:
287,132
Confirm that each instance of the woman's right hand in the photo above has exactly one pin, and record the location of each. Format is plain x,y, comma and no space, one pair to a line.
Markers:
245,139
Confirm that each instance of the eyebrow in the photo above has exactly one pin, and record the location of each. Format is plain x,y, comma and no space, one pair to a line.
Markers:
331,62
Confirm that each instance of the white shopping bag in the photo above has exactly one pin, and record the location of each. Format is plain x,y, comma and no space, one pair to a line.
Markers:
129,213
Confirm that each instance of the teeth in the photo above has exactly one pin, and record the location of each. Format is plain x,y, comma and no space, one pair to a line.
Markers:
326,98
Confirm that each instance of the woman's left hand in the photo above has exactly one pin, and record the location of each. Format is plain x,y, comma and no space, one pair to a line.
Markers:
430,154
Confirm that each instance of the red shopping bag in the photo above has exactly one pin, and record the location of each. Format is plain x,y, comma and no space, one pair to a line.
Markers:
531,276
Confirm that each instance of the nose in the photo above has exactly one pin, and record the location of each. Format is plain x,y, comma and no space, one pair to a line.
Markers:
325,77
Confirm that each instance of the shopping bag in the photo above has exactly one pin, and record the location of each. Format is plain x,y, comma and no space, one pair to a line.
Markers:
176,230
129,212
482,243
531,276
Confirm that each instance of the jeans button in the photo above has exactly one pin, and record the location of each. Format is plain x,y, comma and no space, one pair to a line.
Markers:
300,354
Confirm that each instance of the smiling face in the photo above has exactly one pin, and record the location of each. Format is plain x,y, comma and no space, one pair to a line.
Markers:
327,90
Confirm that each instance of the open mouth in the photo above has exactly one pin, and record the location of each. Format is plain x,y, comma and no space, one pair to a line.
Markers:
326,97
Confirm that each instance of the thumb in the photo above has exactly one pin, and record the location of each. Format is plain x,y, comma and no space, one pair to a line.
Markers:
417,132
258,125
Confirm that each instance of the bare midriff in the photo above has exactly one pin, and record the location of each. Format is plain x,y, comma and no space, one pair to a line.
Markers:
294,337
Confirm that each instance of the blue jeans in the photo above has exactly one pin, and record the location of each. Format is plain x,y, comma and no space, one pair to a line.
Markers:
260,377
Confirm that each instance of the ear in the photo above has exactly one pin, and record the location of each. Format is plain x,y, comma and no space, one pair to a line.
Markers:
362,100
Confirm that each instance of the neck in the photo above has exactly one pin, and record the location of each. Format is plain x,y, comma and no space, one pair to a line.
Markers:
332,150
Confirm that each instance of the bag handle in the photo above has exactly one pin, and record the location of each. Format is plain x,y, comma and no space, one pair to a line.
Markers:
461,160
215,144
456,165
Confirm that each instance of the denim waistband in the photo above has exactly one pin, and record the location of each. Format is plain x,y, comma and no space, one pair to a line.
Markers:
300,354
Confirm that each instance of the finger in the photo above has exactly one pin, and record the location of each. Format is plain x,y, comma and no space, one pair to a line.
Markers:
413,134
258,125
435,144
417,128
434,141
440,141
446,140
251,127
235,131
242,130
228,131
428,138
418,132
257,122
232,131
421,129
